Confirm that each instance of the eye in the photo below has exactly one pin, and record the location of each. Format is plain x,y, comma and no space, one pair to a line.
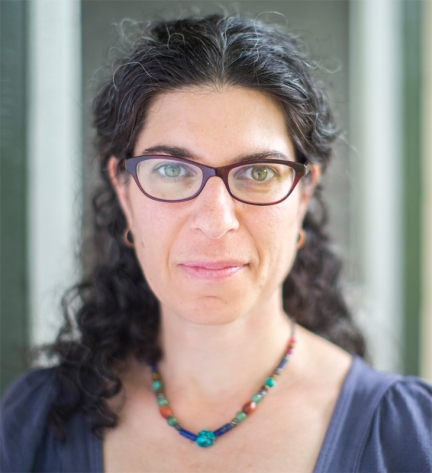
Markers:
261,173
258,173
173,170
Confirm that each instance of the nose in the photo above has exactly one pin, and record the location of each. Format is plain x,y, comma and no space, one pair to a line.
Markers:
214,210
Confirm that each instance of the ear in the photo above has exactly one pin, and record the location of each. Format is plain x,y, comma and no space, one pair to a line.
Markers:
120,186
309,183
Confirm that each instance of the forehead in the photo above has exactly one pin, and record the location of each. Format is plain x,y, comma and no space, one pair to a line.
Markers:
215,124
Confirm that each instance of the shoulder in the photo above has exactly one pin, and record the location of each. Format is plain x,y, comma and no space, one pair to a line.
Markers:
26,400
400,434
381,422
26,444
23,413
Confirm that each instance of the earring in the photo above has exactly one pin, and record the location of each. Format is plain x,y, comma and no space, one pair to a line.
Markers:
128,237
301,239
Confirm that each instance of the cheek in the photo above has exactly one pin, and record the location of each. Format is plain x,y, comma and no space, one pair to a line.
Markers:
277,234
154,229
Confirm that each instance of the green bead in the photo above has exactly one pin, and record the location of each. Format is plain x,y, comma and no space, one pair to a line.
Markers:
156,385
172,421
205,438
256,398
162,401
240,416
270,382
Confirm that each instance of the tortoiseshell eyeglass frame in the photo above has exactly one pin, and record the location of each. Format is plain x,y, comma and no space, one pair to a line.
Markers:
300,170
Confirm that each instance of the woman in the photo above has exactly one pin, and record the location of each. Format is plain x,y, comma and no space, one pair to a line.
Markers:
211,334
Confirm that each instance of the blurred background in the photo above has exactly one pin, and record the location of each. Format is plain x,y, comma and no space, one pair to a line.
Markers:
376,60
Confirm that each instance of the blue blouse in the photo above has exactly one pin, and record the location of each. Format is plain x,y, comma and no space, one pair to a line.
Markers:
382,422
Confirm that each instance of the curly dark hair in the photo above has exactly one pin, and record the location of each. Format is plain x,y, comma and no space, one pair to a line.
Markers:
112,313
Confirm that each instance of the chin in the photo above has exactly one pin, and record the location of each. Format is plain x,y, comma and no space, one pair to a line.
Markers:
211,310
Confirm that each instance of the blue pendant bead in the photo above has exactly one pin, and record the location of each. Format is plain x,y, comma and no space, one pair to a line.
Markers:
283,362
187,434
207,438
223,430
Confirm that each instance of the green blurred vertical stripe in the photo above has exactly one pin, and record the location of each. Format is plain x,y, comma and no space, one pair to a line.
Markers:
412,86
13,282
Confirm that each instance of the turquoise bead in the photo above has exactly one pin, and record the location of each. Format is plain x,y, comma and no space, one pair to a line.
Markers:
162,401
205,438
256,398
270,382
172,421
240,416
156,385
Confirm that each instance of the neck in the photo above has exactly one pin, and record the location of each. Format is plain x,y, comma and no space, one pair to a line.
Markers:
205,365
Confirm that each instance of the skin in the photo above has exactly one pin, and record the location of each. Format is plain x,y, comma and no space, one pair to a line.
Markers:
217,266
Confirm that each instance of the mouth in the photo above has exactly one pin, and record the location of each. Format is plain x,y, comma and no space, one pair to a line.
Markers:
212,270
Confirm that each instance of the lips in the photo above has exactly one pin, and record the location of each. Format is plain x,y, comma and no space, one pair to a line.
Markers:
212,269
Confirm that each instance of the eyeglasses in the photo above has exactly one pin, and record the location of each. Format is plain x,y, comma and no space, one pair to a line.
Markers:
172,179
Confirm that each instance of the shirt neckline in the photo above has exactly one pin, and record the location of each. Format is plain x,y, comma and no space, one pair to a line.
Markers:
339,408
96,457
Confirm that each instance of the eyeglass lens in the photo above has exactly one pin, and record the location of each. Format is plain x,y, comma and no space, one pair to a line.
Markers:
172,180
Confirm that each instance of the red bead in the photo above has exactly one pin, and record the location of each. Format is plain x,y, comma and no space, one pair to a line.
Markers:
249,407
289,351
165,411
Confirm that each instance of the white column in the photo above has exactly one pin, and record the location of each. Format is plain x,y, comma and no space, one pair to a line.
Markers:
426,321
376,136
54,154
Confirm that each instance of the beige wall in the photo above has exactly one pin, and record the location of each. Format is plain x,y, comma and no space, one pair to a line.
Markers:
426,340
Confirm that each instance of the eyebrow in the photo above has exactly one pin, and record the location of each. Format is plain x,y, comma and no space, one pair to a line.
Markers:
179,152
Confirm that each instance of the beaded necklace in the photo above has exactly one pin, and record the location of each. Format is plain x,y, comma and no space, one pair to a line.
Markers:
207,438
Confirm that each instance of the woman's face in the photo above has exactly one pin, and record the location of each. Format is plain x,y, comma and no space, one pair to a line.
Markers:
212,260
